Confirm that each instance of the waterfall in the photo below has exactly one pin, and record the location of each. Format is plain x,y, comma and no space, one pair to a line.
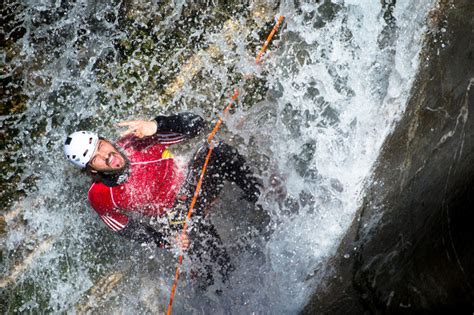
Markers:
310,119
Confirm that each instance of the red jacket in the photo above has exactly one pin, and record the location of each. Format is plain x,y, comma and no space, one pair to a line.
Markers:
151,187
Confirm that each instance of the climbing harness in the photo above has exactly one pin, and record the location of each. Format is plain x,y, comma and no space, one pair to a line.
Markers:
206,162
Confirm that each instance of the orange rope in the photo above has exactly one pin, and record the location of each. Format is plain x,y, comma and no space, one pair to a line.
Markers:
191,207
218,124
195,196
269,38
204,167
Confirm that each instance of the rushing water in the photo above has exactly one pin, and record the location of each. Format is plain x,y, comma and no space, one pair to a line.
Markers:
311,120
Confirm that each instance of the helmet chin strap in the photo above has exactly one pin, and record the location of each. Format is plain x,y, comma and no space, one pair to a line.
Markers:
115,171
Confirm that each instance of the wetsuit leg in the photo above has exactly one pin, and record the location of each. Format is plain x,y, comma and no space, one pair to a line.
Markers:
234,168
206,250
208,253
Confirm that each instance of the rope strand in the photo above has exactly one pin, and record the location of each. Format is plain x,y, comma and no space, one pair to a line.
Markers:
206,162
269,38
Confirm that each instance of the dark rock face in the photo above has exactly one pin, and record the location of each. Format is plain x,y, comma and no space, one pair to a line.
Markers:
414,237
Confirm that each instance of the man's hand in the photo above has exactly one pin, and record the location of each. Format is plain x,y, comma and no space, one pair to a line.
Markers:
182,241
139,128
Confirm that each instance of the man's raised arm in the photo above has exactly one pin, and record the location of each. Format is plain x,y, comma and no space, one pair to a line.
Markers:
169,129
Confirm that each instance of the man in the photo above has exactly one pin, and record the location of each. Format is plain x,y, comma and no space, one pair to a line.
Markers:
138,177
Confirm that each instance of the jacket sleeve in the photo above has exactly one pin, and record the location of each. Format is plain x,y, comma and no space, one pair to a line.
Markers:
101,201
100,198
144,233
178,127
133,230
114,220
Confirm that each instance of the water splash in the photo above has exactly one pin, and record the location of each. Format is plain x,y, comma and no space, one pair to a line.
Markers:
322,103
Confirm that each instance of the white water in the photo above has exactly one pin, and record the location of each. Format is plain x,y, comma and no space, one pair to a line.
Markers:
333,97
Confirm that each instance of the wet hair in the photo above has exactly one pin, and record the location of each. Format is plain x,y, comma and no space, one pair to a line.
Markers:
113,177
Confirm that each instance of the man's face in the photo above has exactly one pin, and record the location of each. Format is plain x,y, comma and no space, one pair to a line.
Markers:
106,157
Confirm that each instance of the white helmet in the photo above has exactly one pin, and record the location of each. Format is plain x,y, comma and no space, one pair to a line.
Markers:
79,147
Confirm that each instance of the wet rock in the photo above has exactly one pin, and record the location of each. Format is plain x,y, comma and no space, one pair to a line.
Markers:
3,225
414,231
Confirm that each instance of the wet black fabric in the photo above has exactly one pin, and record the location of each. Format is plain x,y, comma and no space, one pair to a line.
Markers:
206,250
143,233
225,164
187,124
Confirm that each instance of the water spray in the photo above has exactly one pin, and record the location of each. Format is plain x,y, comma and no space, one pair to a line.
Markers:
208,157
